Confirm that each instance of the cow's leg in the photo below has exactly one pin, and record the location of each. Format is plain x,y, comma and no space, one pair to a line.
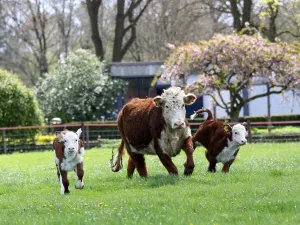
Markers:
189,150
212,165
139,163
167,162
226,166
79,172
165,159
58,173
64,182
130,167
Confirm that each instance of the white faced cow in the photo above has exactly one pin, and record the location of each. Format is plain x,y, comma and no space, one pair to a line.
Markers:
222,142
68,156
155,126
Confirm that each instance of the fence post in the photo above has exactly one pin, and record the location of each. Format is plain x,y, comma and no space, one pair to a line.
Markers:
82,129
249,131
87,136
4,142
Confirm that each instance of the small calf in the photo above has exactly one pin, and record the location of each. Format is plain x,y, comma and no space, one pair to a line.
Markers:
68,156
222,142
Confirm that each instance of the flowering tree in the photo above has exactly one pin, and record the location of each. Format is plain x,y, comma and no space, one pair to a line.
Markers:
233,63
78,89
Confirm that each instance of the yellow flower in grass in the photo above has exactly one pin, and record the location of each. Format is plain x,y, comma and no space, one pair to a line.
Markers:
105,205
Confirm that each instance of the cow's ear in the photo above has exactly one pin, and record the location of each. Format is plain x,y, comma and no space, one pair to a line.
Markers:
189,99
59,135
78,132
158,101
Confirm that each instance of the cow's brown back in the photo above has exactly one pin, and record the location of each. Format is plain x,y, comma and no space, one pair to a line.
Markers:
140,121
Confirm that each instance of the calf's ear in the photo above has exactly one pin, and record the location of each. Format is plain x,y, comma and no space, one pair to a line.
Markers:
189,99
158,101
59,135
78,132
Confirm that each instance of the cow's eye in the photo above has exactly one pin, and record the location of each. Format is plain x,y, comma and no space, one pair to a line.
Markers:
65,141
182,105
76,140
236,133
167,106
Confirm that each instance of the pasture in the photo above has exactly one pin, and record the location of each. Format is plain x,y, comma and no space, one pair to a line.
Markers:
263,187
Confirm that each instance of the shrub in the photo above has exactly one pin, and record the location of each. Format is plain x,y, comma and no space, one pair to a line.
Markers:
18,105
77,89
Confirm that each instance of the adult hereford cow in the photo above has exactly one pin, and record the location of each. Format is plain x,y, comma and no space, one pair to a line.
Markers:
68,156
222,142
155,126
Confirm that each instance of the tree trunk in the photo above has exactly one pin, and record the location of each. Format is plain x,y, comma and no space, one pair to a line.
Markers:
93,11
119,32
234,114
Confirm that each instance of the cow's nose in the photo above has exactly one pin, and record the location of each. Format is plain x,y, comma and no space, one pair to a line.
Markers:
71,148
244,141
178,124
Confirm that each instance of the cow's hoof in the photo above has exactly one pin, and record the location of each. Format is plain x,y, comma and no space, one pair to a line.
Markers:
79,187
188,171
67,192
79,184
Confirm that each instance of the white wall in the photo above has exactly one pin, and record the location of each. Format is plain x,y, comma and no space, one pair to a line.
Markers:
280,104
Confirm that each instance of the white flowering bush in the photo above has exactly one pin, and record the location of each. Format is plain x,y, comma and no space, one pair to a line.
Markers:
77,89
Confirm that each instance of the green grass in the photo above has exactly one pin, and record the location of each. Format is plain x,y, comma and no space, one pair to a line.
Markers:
263,187
278,130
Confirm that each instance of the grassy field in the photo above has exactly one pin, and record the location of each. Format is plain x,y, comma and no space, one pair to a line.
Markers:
263,187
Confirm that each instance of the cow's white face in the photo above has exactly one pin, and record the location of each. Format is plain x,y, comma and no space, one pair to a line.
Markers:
239,134
71,141
172,102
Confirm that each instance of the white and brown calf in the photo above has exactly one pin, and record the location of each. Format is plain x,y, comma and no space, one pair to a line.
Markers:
222,142
68,156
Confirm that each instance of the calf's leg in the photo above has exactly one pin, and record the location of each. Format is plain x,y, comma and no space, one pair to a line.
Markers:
189,150
64,182
79,172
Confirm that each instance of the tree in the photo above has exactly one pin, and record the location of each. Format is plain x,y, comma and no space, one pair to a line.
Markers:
64,15
233,63
93,11
77,89
18,105
28,31
132,14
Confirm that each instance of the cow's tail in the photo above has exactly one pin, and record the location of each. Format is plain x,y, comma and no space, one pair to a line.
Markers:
116,162
209,116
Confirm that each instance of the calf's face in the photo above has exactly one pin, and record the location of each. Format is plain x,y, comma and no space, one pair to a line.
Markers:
71,141
239,134
173,102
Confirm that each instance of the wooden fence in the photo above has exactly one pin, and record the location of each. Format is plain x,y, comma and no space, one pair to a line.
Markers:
23,139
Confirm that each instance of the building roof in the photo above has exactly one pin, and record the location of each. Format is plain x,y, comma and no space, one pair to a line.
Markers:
134,70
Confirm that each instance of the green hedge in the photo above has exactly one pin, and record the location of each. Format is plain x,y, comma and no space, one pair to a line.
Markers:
289,117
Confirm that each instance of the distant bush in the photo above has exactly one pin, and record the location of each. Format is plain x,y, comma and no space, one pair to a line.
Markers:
78,89
44,139
18,105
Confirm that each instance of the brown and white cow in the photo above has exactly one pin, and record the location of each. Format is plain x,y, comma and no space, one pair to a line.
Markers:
155,126
222,142
68,156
